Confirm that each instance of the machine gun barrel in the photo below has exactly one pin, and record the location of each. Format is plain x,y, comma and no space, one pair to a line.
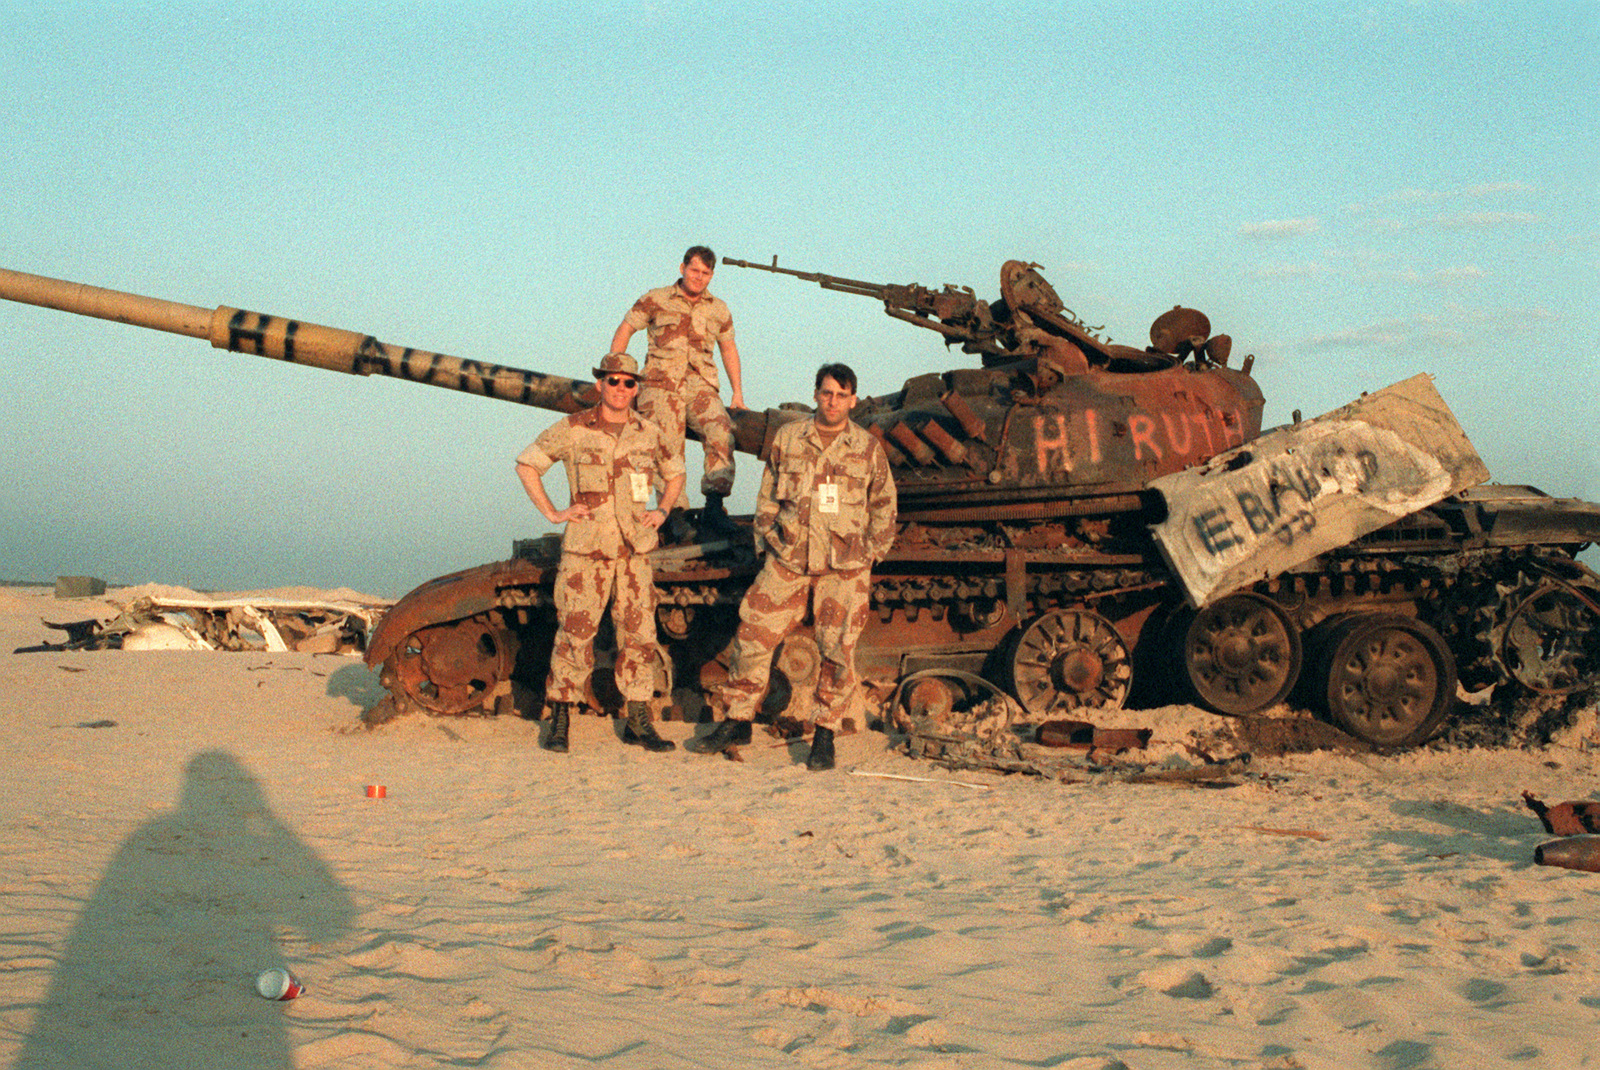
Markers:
955,313
828,282
329,348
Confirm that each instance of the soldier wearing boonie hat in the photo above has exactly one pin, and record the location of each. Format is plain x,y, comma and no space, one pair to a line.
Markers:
612,456
616,364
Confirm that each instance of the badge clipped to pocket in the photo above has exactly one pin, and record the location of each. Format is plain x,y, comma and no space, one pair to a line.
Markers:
641,486
827,497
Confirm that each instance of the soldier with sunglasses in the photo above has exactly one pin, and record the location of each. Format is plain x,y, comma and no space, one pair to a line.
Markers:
612,456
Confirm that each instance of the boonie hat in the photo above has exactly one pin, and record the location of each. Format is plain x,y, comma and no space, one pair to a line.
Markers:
617,364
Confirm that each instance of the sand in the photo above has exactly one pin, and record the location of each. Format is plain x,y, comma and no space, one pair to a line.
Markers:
178,822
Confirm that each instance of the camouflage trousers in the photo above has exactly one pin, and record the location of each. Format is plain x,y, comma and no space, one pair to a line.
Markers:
694,403
774,604
583,587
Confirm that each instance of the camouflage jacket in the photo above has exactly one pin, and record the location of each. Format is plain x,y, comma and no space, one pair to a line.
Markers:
826,510
611,474
683,334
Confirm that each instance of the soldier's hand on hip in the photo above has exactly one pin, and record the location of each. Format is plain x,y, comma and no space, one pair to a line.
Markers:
575,511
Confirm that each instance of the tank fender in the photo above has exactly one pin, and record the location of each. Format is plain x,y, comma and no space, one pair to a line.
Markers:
451,597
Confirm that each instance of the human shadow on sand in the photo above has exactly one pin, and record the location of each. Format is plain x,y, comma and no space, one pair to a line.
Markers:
160,967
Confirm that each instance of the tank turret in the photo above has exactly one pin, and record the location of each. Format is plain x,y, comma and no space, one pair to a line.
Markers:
1055,418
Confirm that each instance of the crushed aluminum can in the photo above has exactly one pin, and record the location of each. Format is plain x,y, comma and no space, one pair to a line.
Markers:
278,984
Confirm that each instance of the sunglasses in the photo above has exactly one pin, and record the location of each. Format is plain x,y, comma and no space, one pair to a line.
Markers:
622,380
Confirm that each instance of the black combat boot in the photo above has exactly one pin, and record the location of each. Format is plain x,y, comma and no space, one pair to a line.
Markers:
821,756
714,519
640,732
728,733
560,719
677,531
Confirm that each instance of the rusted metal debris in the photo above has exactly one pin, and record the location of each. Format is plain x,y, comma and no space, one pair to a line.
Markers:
1262,508
1565,819
995,733
1570,852
234,624
1084,735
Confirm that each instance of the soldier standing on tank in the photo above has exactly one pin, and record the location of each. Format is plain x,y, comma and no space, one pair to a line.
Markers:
824,517
612,455
681,388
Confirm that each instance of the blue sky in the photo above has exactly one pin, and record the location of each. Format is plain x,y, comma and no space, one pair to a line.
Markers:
1355,193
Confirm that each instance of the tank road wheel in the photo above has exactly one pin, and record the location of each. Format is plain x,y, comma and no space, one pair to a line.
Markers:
455,668
1242,654
941,706
935,694
1390,680
1548,641
1070,660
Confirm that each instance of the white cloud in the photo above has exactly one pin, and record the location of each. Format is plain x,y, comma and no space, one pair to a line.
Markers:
1441,276
1280,228
1478,191
1303,270
1484,220
1490,188
1371,336
1453,327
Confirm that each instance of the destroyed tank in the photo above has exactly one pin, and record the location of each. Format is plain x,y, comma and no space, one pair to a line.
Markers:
1082,525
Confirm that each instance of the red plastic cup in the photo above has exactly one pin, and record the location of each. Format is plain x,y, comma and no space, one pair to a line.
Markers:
278,985
377,791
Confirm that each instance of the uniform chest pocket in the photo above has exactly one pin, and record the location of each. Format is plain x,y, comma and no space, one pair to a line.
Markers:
794,481
641,461
852,490
593,472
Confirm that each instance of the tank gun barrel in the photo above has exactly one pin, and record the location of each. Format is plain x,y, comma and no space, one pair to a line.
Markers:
297,342
329,348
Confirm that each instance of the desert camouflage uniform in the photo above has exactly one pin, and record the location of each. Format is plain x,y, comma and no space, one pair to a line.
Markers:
825,517
681,386
603,555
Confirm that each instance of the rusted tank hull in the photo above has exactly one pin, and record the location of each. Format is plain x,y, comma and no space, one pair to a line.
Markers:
1079,614
1028,489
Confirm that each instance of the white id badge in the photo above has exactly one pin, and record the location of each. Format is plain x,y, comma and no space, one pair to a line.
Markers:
827,497
641,486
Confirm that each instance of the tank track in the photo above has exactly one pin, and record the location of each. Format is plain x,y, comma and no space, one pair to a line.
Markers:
1527,616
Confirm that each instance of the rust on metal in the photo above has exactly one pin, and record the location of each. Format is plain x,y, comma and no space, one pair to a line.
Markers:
970,424
947,445
1080,521
1086,735
1566,818
1570,852
907,440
